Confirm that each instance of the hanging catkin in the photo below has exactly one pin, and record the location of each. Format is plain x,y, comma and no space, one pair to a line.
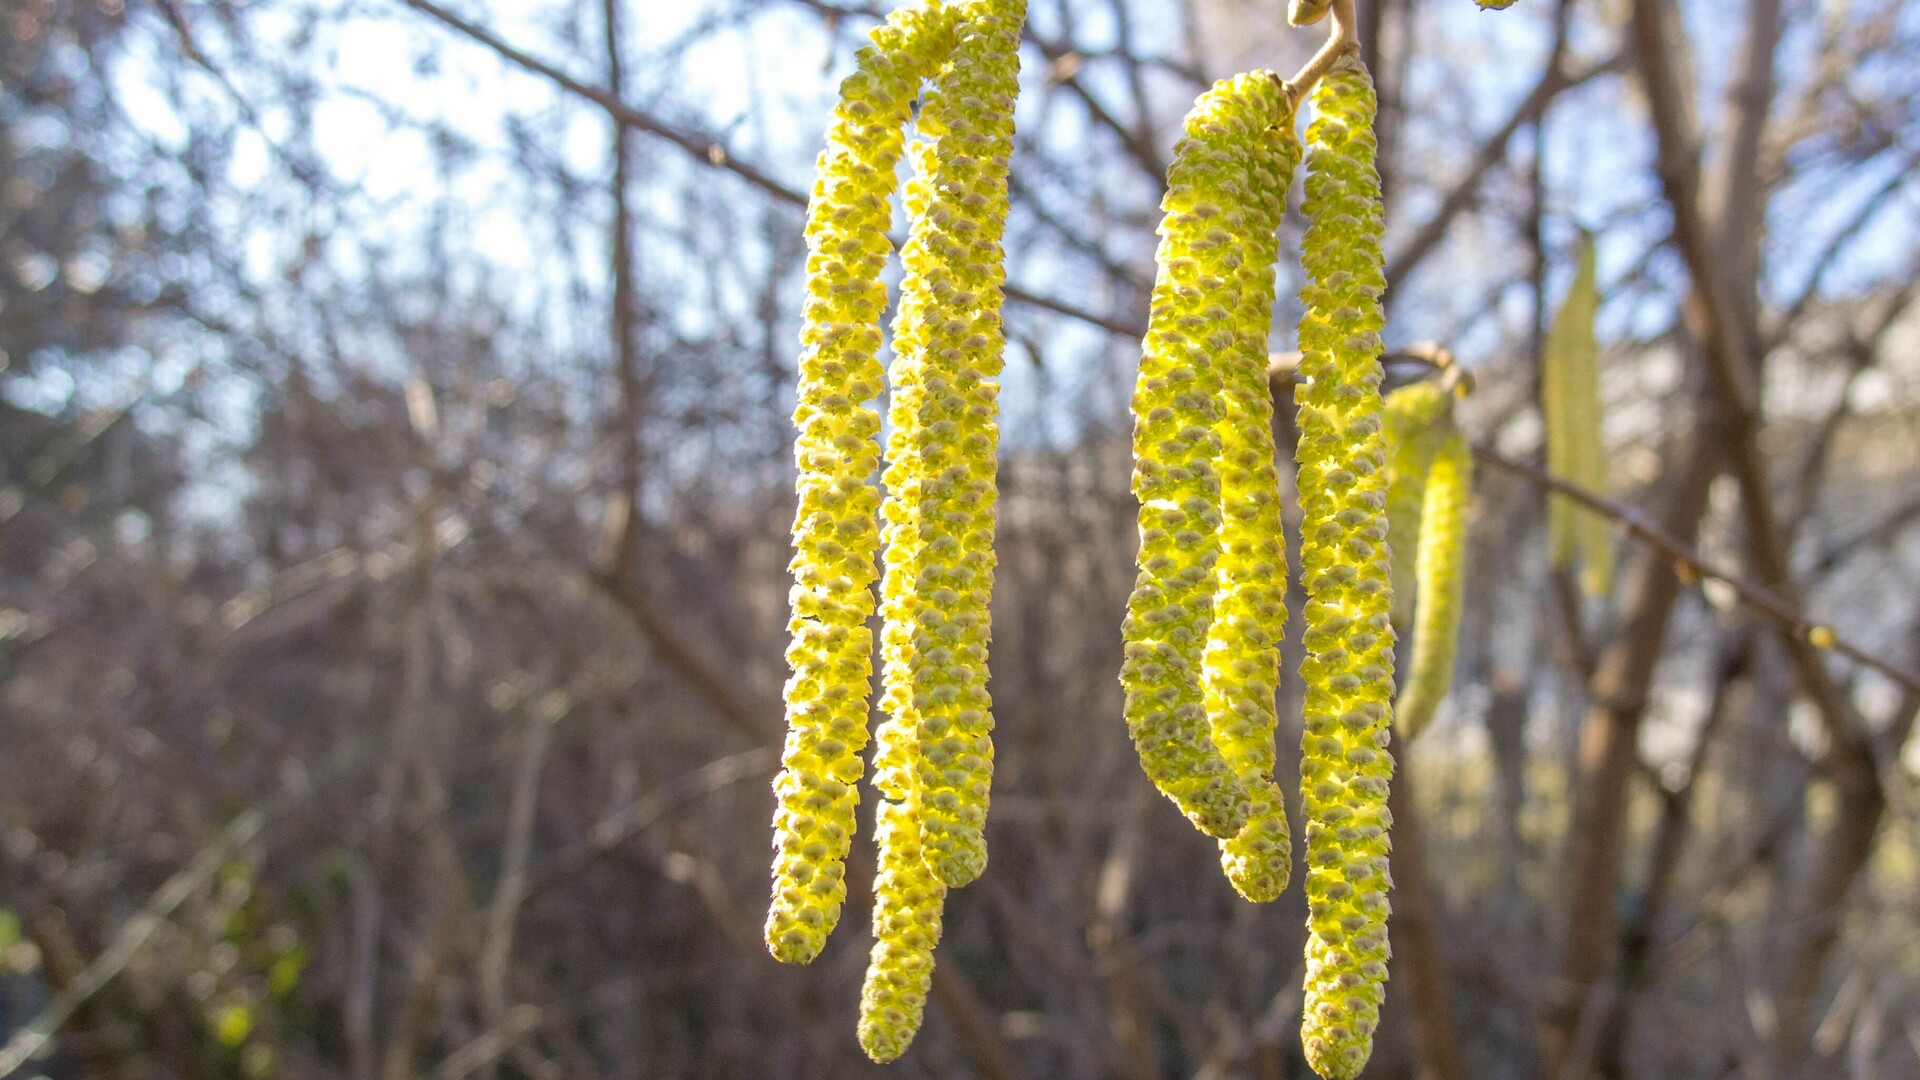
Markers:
1219,208
942,254
1442,577
1411,428
835,533
1570,399
1348,671
969,121
1242,659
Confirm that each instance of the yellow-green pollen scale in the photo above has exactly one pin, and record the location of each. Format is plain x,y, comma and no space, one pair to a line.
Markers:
968,120
835,531
1442,576
1411,425
1241,664
1348,671
1212,206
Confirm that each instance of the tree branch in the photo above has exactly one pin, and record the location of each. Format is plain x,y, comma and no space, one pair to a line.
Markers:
1694,566
707,150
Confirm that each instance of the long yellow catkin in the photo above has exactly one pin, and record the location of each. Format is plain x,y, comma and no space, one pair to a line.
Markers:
1570,395
835,532
1345,767
1241,665
969,122
1442,577
1219,194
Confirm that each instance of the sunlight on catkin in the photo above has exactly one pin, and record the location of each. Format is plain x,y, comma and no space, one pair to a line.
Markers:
907,905
1345,767
1220,192
969,120
1241,665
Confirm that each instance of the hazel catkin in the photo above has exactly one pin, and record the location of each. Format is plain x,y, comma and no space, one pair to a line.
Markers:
944,253
835,532
1348,671
1411,427
1241,665
1570,400
1441,570
1219,194
968,120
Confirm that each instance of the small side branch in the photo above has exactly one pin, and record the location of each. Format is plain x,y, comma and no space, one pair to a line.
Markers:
1343,40
1691,565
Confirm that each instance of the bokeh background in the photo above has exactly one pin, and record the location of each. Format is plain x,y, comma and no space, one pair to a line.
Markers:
394,490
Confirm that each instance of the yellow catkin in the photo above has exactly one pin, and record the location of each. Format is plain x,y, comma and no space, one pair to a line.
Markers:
1570,396
1218,210
1348,671
1411,423
968,121
1442,577
835,531
1241,666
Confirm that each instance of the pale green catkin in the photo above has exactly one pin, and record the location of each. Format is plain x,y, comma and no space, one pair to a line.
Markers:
1411,426
1241,666
968,120
1348,671
1442,578
1219,195
835,532
1570,400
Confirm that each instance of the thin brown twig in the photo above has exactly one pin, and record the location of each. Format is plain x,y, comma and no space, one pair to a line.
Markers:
1693,565
709,151
1343,40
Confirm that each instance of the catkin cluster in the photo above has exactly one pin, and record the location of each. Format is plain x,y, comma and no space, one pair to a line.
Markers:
1204,621
1206,615
935,757
1348,671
